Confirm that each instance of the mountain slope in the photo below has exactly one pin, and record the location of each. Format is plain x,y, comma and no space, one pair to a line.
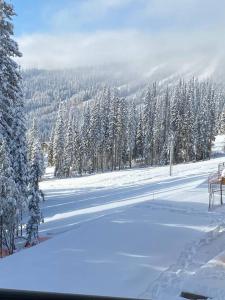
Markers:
43,89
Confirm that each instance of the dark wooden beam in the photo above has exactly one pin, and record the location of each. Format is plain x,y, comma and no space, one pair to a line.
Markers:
7,294
192,296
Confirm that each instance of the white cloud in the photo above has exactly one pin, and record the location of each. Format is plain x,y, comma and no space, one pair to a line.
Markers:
128,46
201,41
48,51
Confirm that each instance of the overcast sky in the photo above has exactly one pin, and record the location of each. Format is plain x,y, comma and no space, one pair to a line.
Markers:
70,33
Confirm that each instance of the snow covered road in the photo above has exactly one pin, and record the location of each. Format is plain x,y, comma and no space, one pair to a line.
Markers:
105,193
133,233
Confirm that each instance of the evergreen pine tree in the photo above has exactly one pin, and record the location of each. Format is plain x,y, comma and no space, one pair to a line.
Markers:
12,119
58,146
8,192
34,195
132,131
68,151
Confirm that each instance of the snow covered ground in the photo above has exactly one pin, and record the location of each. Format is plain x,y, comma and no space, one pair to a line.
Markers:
218,147
209,279
134,233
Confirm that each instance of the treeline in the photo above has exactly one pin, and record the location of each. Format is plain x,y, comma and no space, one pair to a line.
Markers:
44,89
113,133
19,190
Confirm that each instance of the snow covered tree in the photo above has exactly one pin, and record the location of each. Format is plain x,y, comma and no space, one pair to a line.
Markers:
132,131
86,140
112,139
164,127
121,134
8,192
77,160
140,139
37,166
34,198
34,194
10,90
35,153
222,122
105,119
148,118
12,128
176,120
31,138
58,146
95,136
68,151
51,150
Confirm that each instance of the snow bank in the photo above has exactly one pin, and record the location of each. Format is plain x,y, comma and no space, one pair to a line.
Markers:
209,279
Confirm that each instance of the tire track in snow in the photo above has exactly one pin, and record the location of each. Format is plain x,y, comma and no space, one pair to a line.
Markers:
138,199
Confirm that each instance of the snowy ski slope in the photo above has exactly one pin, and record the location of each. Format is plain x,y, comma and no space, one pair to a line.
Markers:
133,233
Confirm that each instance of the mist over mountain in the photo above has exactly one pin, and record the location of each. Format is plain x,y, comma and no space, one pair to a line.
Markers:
45,89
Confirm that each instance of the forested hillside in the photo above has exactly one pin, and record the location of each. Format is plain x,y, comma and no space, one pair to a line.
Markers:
44,89
112,132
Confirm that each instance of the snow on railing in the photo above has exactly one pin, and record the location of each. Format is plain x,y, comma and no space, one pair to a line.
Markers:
215,185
